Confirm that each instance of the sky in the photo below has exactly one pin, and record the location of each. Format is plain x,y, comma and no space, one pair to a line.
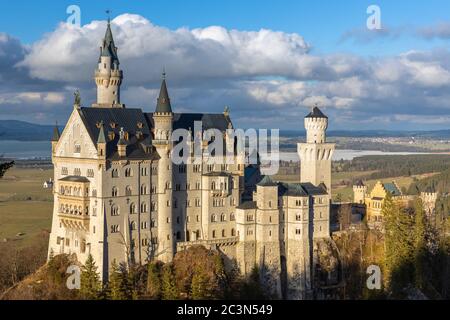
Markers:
269,61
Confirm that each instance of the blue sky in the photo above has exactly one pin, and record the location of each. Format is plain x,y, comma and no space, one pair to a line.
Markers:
320,22
273,58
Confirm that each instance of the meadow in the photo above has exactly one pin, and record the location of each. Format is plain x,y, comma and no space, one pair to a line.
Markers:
25,206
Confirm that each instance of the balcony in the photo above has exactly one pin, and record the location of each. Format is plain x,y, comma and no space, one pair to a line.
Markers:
78,222
213,243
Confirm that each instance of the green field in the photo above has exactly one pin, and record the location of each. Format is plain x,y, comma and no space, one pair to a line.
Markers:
25,207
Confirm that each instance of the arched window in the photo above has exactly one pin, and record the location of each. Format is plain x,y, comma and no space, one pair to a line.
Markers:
128,172
223,233
115,173
213,218
233,232
114,210
132,208
128,191
213,185
143,189
143,207
114,192
214,234
133,225
223,218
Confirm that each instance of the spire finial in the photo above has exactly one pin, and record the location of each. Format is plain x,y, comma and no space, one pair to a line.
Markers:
108,12
164,73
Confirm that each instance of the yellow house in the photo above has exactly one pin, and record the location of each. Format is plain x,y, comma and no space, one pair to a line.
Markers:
375,199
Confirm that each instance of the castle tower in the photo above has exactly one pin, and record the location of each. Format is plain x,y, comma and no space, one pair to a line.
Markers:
429,198
316,154
359,192
163,119
108,75
268,235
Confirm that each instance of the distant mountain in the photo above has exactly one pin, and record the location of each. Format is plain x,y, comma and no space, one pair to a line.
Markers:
24,131
438,134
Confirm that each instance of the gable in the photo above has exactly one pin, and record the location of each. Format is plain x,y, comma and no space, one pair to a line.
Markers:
75,140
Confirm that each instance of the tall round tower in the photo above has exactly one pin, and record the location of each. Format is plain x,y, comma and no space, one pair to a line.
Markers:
163,119
316,154
316,124
108,76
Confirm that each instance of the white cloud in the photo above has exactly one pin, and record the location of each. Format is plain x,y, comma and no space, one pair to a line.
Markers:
269,75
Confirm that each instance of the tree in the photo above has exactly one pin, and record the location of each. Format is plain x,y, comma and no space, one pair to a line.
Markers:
399,246
118,283
251,287
169,287
420,244
154,280
200,289
5,167
90,280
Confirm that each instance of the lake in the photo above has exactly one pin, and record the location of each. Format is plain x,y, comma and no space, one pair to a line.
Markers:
42,149
25,149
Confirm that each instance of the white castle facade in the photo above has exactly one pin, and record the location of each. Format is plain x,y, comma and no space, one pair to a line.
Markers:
119,196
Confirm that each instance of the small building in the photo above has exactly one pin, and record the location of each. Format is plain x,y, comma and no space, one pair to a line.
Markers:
48,184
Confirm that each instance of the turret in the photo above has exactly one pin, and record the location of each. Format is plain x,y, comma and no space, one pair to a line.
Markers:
101,143
55,138
108,75
163,120
316,124
359,192
316,154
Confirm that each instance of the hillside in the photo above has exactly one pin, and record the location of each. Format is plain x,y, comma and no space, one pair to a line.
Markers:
24,131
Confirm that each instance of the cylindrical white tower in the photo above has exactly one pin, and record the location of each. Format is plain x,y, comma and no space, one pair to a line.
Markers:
316,124
163,119
108,76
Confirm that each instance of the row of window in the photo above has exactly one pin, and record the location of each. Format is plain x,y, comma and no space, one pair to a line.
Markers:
77,172
115,210
223,217
223,233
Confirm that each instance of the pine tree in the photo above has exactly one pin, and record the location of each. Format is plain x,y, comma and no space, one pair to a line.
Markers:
399,246
420,244
169,287
200,289
118,283
90,281
154,280
251,288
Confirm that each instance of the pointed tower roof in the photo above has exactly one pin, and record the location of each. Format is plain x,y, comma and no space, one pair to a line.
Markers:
267,182
101,135
359,183
109,48
316,113
163,105
56,134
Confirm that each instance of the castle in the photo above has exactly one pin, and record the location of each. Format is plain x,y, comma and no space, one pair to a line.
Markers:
373,201
118,196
